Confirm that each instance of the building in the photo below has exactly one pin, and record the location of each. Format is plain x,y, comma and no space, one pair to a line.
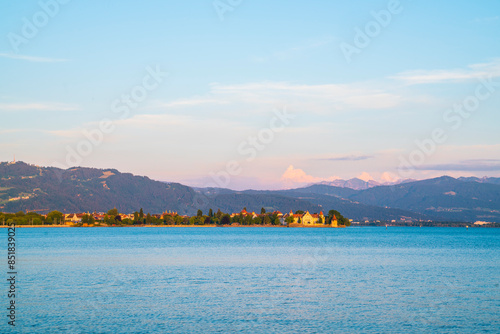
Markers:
244,213
334,222
99,216
169,213
73,218
306,218
280,217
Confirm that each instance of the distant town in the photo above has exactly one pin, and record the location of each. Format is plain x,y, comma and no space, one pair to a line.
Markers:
113,217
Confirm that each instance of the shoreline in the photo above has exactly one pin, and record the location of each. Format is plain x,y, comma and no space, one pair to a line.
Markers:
149,226
241,226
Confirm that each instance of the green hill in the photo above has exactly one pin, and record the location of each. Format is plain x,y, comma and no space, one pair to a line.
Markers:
87,189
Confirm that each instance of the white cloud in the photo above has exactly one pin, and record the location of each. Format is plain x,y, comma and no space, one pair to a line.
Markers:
195,101
32,58
388,177
294,51
39,106
297,175
150,124
315,99
293,176
365,177
168,121
473,71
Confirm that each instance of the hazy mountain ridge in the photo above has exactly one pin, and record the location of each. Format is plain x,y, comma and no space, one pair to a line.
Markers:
442,198
83,189
358,184
491,180
86,189
29,187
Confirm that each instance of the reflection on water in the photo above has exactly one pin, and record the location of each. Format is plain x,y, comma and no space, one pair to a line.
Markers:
185,280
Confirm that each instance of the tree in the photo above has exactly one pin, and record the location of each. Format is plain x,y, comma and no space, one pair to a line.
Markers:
113,212
210,213
169,220
199,213
225,220
55,217
207,221
141,214
110,220
88,219
340,219
248,220
178,220
299,212
127,221
331,213
148,219
237,219
275,220
267,220
262,211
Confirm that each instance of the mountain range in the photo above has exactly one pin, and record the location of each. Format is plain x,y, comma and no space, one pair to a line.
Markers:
42,189
359,184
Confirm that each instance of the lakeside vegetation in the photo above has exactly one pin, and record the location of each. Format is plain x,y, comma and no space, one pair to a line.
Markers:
139,218
218,218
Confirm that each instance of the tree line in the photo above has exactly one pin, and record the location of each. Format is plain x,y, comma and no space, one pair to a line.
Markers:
32,218
112,217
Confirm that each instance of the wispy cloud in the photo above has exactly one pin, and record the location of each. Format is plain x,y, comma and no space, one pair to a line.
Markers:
10,131
350,158
71,133
486,19
293,51
330,96
36,106
32,58
473,165
473,71
190,102
257,97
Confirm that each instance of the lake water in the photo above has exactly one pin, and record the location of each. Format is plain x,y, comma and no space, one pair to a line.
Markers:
256,280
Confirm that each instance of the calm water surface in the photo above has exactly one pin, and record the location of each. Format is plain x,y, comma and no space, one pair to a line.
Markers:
264,280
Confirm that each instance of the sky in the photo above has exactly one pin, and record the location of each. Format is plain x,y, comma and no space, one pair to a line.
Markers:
253,94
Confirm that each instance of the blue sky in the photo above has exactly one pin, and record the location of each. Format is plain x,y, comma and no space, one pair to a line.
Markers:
418,98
